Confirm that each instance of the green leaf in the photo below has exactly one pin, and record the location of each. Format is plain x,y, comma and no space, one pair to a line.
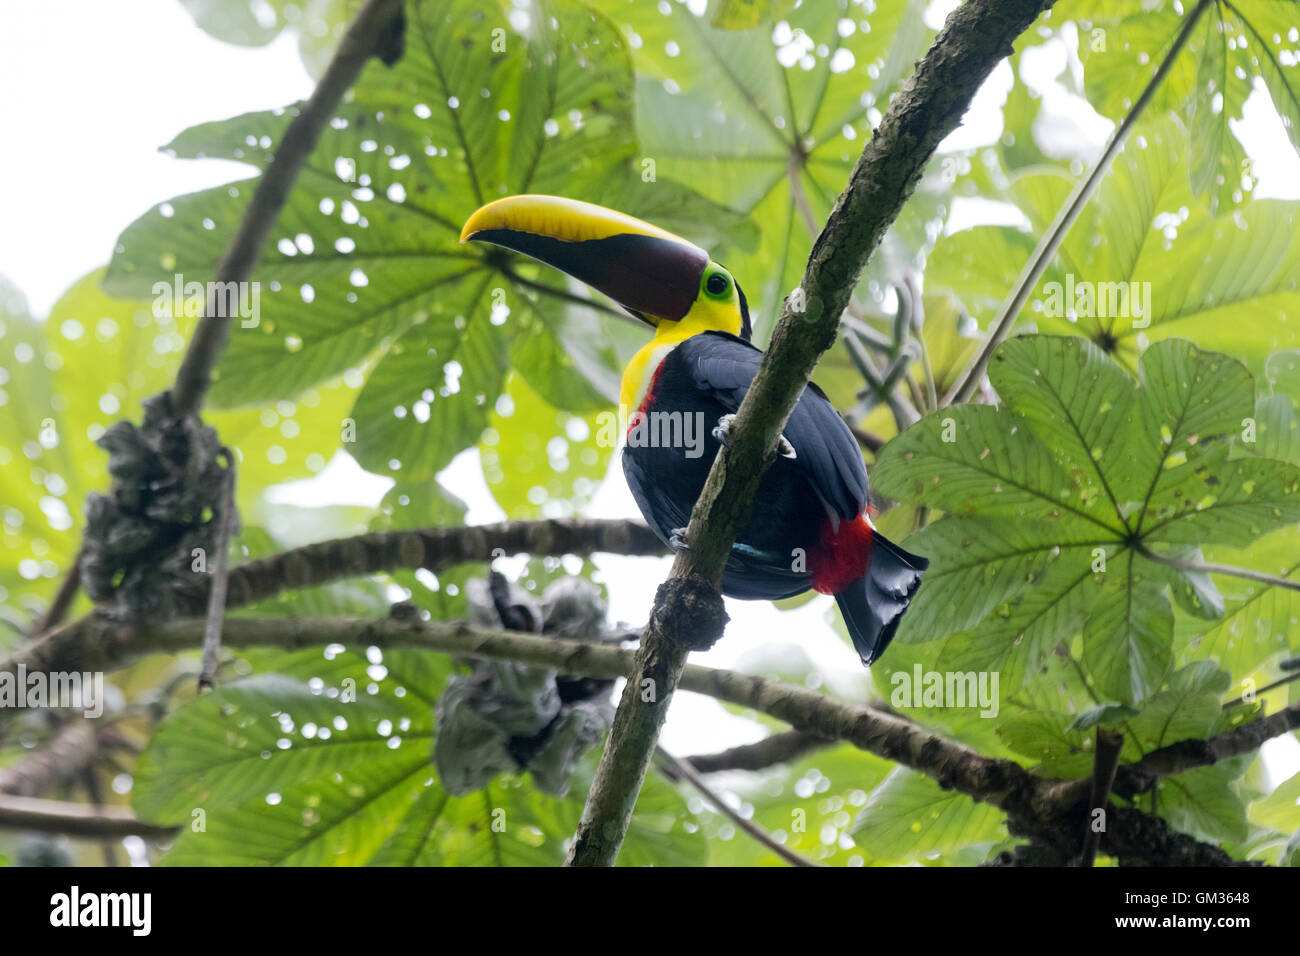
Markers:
1202,802
1129,636
1218,159
773,131
909,816
1280,809
1100,716
1190,707
1080,480
808,806
1015,639
1145,259
365,271
229,747
746,14
984,562
541,462
319,24
1052,740
1235,45
288,769
1257,623
90,364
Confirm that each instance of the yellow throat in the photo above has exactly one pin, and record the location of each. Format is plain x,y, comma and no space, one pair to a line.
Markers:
705,316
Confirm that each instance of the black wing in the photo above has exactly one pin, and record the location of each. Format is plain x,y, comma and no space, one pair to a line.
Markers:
825,449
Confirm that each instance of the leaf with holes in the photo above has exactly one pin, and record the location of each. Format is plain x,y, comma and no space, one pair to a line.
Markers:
1146,259
770,120
1067,503
366,271
93,361
326,761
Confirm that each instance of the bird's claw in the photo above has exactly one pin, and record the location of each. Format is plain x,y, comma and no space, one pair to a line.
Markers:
677,540
723,430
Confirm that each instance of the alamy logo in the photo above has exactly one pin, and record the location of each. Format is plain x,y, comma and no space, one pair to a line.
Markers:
656,429
39,689
74,908
946,689
240,300
1099,300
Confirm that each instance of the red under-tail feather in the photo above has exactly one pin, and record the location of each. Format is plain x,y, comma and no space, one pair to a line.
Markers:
841,555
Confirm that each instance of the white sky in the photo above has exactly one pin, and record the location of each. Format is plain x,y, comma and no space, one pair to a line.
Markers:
93,89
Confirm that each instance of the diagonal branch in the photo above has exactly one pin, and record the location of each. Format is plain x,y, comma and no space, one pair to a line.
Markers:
688,610
376,32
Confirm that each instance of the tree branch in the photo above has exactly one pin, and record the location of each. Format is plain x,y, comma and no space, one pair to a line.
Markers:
1110,744
779,748
1038,807
1142,776
67,593
61,760
75,819
432,548
688,610
220,577
376,32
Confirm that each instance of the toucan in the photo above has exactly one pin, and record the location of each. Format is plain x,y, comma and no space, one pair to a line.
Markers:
812,524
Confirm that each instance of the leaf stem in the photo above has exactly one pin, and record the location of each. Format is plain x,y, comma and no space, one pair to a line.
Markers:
1105,762
1065,218
684,770
1210,567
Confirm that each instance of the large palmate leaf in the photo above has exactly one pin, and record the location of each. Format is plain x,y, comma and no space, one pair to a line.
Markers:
540,461
366,269
1146,260
65,381
1062,499
1236,45
771,119
327,761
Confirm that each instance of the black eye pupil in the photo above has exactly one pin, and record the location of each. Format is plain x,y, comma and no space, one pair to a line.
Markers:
717,283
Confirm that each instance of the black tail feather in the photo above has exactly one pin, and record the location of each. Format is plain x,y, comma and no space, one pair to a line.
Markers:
873,606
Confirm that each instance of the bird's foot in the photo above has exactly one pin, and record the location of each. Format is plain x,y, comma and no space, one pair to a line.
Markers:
723,431
677,540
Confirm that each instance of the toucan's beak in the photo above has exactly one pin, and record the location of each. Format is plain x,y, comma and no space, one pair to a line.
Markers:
645,269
